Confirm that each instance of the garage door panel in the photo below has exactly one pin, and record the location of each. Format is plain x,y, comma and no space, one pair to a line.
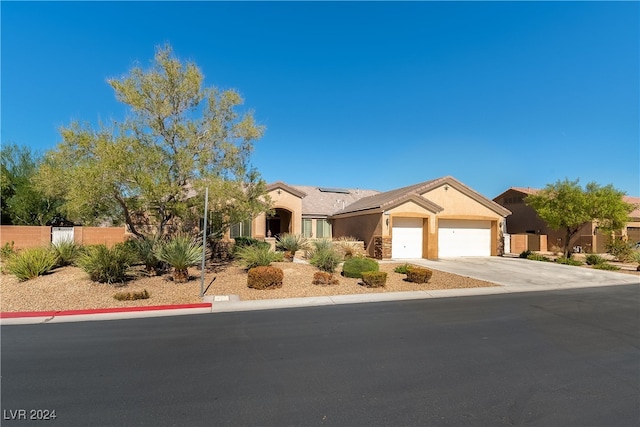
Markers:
406,238
464,238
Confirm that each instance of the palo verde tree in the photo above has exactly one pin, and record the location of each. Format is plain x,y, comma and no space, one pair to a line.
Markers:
150,170
566,206
22,202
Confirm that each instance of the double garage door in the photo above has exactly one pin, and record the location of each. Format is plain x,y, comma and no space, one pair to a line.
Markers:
463,238
455,238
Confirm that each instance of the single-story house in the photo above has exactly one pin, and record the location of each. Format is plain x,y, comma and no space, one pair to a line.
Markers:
525,220
438,218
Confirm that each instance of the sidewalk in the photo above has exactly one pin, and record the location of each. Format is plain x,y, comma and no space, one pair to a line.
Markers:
513,275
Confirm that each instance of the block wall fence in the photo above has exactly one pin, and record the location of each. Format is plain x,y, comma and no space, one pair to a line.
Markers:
25,236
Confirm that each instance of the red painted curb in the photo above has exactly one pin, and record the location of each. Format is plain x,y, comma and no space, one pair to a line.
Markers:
17,314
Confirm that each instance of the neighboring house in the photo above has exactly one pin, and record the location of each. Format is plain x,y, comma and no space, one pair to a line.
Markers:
525,220
432,219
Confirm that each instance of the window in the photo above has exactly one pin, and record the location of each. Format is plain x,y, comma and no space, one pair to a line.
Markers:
323,229
307,229
240,229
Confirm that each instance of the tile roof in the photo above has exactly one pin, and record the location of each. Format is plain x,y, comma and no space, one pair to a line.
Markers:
326,203
389,199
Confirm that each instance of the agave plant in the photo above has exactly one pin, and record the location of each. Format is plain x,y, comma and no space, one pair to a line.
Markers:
180,252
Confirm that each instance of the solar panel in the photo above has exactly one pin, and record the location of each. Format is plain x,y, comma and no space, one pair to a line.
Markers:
334,190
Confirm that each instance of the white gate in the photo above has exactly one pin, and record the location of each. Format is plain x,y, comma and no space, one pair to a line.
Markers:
507,243
61,234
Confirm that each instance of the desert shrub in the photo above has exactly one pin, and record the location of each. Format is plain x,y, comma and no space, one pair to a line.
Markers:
374,279
402,269
291,243
144,249
606,266
318,245
635,257
538,257
324,256
180,252
7,250
265,277
106,265
419,275
620,249
354,267
593,259
258,256
525,254
568,261
66,251
30,263
349,247
131,296
243,242
324,278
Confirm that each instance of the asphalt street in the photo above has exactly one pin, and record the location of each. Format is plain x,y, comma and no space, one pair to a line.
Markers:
558,358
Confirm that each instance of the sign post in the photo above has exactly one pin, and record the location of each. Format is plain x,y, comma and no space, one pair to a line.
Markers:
204,240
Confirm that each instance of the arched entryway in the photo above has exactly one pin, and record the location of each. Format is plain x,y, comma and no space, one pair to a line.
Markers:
279,222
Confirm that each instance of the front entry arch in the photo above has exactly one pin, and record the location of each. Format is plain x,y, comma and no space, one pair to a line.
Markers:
279,223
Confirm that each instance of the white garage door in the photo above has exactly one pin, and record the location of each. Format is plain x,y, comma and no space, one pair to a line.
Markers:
463,238
406,238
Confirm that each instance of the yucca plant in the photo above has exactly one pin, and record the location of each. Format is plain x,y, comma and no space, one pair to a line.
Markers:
320,245
106,265
180,252
290,244
258,256
324,256
66,251
30,263
144,249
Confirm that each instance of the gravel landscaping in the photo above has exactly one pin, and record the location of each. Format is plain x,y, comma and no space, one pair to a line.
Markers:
69,288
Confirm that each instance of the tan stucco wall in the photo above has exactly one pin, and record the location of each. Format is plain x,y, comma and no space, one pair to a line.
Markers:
407,210
458,204
362,227
283,200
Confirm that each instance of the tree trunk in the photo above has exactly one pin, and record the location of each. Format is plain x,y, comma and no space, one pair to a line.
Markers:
180,275
566,243
127,216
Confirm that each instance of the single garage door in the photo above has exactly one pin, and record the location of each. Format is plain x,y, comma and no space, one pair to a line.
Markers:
463,238
406,238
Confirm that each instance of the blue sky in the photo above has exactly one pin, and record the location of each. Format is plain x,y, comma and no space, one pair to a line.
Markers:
374,95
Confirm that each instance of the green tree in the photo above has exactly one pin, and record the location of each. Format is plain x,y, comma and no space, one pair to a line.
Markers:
21,202
566,206
150,170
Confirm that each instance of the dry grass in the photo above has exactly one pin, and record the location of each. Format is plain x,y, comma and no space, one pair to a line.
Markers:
69,288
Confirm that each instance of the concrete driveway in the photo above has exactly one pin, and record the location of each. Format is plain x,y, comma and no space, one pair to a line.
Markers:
519,274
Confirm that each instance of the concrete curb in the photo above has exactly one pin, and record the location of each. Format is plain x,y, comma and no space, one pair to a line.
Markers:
35,317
